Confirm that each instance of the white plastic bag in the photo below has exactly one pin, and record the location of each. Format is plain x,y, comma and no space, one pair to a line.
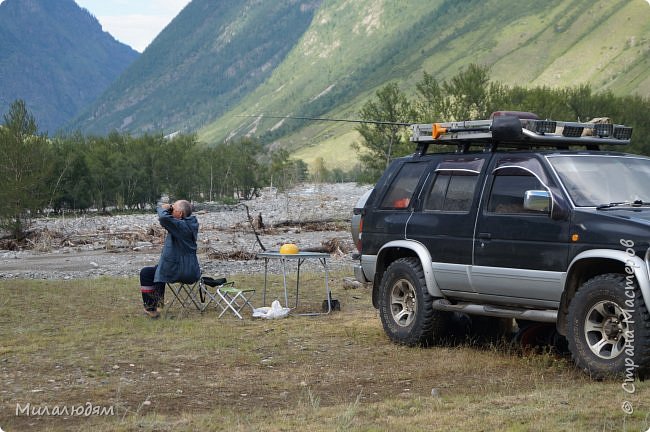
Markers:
275,311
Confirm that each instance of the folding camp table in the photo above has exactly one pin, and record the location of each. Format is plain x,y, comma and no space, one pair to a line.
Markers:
300,258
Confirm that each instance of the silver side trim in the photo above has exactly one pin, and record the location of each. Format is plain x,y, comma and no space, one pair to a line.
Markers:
454,277
369,266
359,274
510,282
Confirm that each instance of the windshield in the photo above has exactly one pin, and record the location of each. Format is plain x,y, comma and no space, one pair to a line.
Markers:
593,181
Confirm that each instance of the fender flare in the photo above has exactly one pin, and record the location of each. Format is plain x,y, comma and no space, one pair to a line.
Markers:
638,267
425,260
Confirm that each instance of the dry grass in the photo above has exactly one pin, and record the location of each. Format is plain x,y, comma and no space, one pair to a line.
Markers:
71,342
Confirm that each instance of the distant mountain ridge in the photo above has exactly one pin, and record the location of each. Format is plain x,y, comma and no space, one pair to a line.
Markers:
219,60
56,57
355,48
210,56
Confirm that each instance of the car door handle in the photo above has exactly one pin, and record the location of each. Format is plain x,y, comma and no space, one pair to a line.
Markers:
485,236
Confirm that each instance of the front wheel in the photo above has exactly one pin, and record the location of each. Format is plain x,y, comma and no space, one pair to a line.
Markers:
609,327
405,305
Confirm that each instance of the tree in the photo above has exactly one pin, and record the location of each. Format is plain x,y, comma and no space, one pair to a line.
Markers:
383,142
71,187
284,172
320,172
432,105
240,171
104,178
247,170
470,92
181,158
24,169
468,95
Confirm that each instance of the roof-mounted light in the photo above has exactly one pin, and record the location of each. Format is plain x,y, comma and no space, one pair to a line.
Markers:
545,126
622,132
603,130
540,127
572,130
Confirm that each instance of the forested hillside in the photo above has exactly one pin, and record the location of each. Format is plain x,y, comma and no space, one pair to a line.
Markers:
55,56
209,57
219,61
353,48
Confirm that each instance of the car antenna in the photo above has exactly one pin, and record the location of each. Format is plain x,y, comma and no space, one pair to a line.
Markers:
377,122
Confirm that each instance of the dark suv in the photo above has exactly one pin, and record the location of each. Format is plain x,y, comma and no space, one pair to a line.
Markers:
537,224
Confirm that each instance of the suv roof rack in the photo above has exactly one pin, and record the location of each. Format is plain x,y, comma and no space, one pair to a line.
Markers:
519,130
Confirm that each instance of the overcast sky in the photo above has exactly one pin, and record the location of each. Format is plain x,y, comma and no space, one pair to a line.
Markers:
134,22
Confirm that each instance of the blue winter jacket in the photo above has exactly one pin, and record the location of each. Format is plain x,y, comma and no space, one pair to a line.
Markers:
178,262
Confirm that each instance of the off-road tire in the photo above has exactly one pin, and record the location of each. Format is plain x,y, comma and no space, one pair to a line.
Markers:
609,328
405,305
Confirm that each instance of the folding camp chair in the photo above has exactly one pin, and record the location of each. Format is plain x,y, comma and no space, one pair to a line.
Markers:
225,296
185,294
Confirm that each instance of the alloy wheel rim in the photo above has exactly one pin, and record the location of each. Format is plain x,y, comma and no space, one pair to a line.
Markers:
403,302
606,329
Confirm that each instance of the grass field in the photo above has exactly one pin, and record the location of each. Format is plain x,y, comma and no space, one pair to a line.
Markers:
87,343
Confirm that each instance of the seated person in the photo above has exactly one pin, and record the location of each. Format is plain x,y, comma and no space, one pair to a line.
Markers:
178,261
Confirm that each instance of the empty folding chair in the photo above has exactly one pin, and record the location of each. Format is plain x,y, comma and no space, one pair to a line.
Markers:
225,296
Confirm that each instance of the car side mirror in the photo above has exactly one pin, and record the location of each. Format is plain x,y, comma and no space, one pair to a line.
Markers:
537,200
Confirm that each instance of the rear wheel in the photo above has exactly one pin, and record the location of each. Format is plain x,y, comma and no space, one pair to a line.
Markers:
609,327
405,305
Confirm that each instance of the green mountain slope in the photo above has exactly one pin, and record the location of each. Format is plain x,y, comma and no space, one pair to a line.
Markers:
219,61
354,47
210,56
55,56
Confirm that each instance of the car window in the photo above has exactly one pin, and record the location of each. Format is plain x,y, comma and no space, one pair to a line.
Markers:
508,190
521,163
400,192
451,191
593,180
